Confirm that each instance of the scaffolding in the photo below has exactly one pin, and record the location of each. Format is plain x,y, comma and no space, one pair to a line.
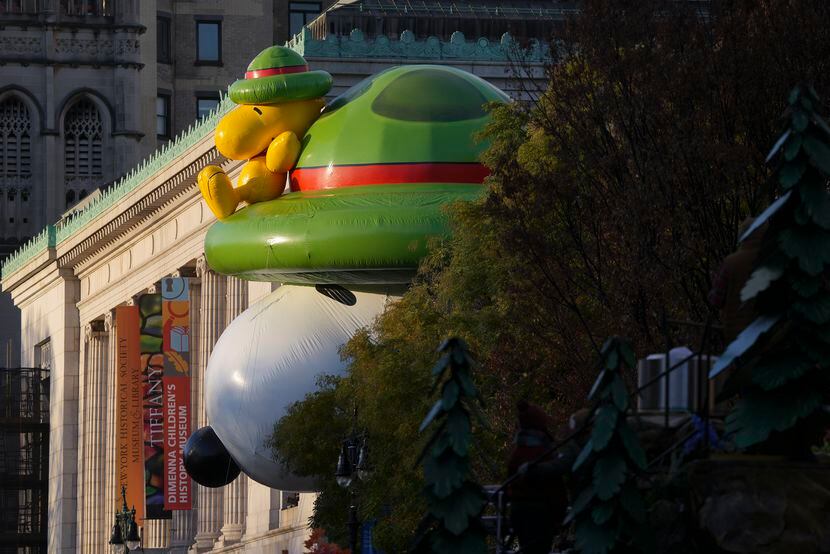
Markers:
24,459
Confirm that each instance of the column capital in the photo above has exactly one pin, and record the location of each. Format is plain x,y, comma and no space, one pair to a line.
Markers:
187,272
152,289
93,328
202,266
109,321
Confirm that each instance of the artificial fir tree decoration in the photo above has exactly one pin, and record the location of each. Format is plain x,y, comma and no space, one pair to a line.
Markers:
453,523
609,514
785,352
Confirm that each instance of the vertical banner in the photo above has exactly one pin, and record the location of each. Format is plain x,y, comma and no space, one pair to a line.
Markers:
129,408
152,368
175,309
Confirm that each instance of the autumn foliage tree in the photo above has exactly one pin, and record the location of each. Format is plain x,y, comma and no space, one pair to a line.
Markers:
613,196
318,544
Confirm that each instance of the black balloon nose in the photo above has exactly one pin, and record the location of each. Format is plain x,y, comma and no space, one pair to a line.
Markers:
207,460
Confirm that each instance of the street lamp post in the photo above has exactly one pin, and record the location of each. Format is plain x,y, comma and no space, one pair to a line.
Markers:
124,536
351,466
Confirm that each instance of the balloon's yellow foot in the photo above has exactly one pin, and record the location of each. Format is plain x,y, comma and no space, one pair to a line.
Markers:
218,192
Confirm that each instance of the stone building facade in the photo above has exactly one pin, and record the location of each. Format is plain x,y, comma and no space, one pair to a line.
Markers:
68,279
95,86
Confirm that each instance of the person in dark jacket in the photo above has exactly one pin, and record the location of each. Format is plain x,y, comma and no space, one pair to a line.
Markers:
538,497
733,274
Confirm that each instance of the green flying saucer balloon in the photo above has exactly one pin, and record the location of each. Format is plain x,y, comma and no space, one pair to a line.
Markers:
368,192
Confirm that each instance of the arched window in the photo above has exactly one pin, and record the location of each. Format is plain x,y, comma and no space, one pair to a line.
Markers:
15,142
15,164
83,151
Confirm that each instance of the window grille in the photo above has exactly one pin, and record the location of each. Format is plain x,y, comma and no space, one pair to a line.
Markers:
15,141
83,151
86,8
21,7
302,13
15,165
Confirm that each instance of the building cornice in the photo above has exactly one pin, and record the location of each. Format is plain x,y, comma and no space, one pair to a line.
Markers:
83,24
63,63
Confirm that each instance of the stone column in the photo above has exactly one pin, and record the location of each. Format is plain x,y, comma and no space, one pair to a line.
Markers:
95,437
80,493
111,494
236,498
212,322
156,533
183,526
92,534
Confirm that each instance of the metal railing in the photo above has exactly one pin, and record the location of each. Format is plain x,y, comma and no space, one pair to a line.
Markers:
24,459
496,494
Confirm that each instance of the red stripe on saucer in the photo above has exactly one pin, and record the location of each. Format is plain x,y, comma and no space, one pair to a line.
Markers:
336,176
256,74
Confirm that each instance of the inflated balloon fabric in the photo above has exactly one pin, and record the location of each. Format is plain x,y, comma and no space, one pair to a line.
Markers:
207,461
271,356
358,235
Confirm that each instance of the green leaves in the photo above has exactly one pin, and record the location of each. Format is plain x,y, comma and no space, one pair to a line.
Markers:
583,455
790,173
815,309
445,473
759,281
766,214
459,431
809,245
776,369
436,409
456,510
800,120
819,153
609,474
743,342
449,395
604,425
778,144
455,502
609,511
761,412
594,539
632,502
783,387
619,394
792,147
632,446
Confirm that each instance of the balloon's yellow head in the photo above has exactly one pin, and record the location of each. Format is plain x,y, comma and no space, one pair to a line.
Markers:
247,130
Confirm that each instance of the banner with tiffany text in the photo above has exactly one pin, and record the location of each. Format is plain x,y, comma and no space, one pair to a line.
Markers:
129,413
152,368
175,308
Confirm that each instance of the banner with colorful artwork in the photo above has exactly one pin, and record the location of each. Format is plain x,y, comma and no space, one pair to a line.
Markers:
175,308
129,411
152,367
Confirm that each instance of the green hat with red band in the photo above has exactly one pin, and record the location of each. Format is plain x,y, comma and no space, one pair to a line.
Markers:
277,75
